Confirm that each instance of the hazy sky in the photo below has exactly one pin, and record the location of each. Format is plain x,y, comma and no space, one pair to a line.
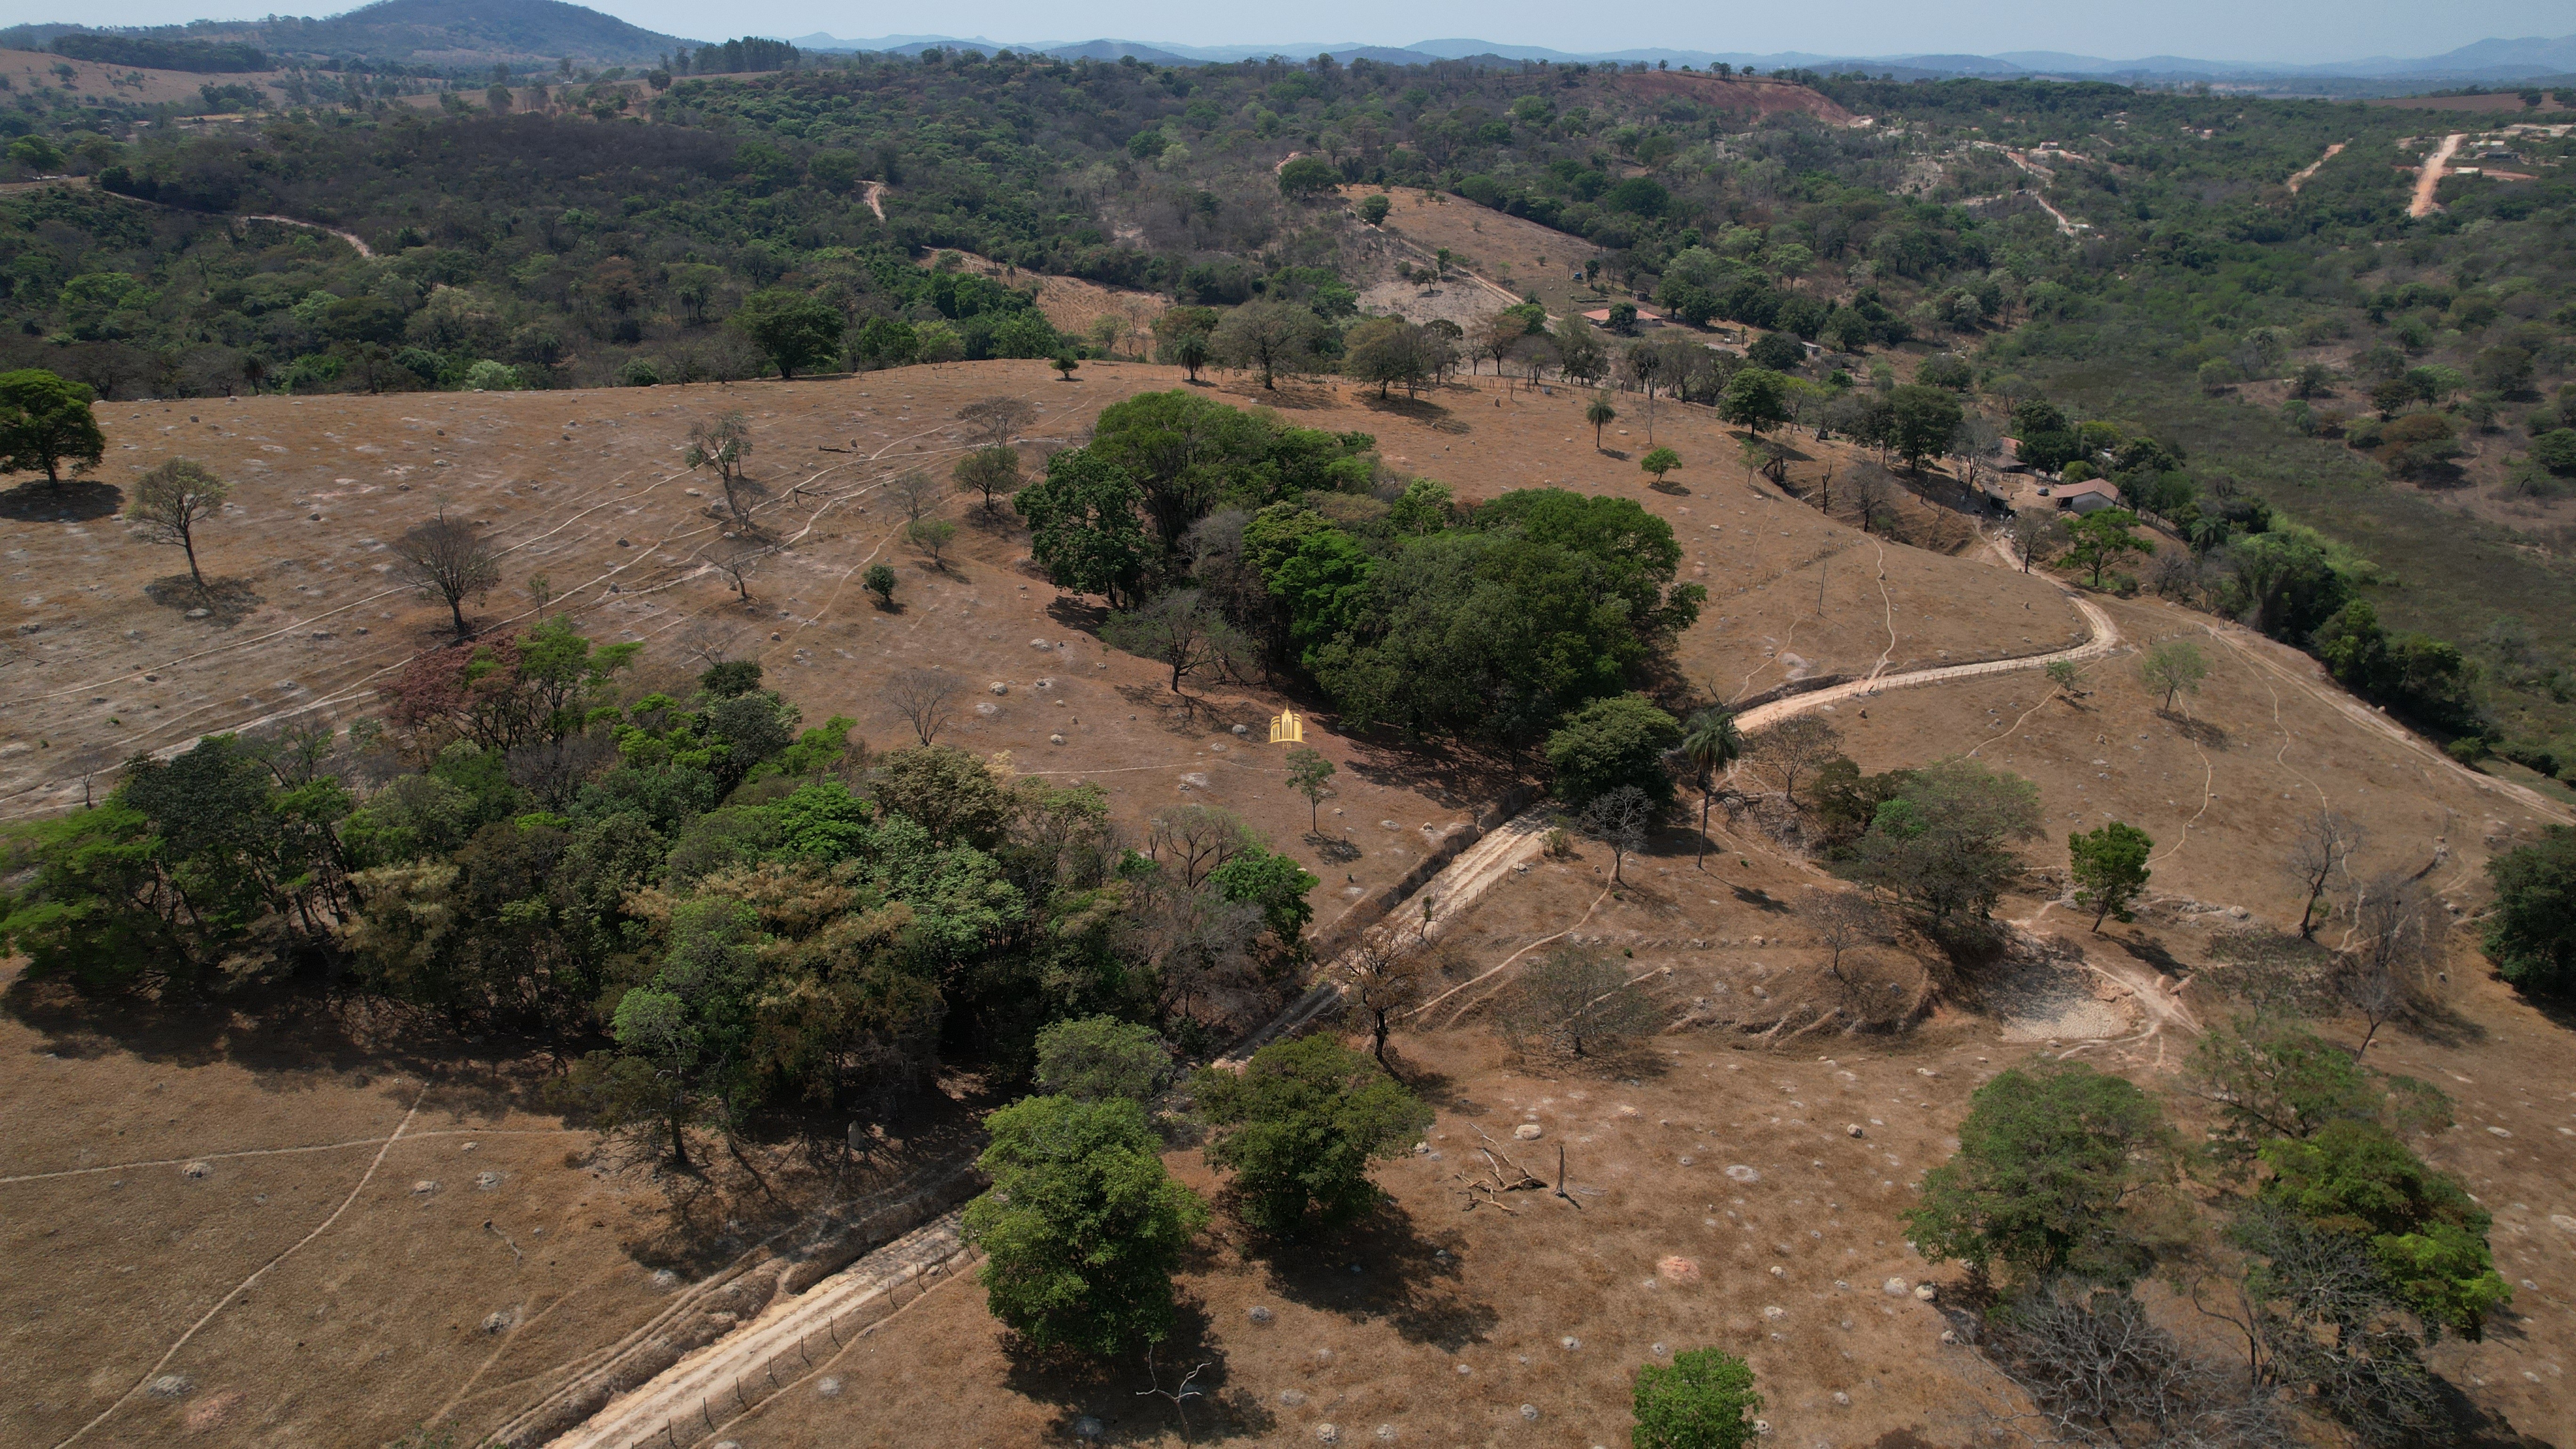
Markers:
2277,30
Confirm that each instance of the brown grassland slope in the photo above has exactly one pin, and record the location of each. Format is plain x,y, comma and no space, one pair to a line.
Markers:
306,1227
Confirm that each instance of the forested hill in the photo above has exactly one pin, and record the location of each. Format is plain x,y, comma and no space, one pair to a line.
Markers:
442,33
2224,304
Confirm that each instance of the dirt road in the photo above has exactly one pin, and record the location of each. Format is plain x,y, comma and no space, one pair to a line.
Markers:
2301,177
797,1337
2428,180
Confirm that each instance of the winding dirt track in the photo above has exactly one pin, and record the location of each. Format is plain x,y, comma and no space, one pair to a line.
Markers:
1515,841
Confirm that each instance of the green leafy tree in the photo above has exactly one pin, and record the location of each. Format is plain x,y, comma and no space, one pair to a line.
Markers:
1660,462
2050,1176
1308,176
794,331
992,472
171,500
2173,668
2271,1080
1308,774
2531,935
2425,1231
1711,742
1612,742
1097,1058
1084,525
45,424
1923,421
932,536
1082,1229
1298,1127
1942,844
2109,868
1065,363
1373,209
1703,1399
1181,337
1273,884
2101,538
879,580
680,1035
1756,398
1268,338
1600,415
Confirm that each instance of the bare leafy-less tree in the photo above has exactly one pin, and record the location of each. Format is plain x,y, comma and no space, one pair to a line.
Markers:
1195,839
1180,630
1619,819
1578,1003
1795,746
169,503
926,698
2323,846
994,421
735,560
725,445
2098,1371
913,491
1845,922
2036,535
2383,972
1875,496
1388,977
450,558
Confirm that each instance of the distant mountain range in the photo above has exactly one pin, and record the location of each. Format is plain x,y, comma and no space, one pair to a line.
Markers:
2487,61
473,33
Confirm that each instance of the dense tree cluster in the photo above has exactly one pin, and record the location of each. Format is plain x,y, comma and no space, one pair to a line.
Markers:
2343,1252
727,911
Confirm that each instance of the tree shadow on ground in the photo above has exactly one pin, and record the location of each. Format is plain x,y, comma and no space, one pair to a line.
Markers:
2440,1023
786,1167
2474,1428
2200,732
285,1038
1122,1395
1287,397
1078,613
1385,1269
74,500
1670,489
1760,899
1457,776
1420,410
226,601
1332,848
2152,953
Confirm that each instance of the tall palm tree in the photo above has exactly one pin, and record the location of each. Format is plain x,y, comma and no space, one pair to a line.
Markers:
1600,415
1710,743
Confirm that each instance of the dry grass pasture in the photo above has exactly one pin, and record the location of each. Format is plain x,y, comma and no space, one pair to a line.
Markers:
39,70
281,1226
